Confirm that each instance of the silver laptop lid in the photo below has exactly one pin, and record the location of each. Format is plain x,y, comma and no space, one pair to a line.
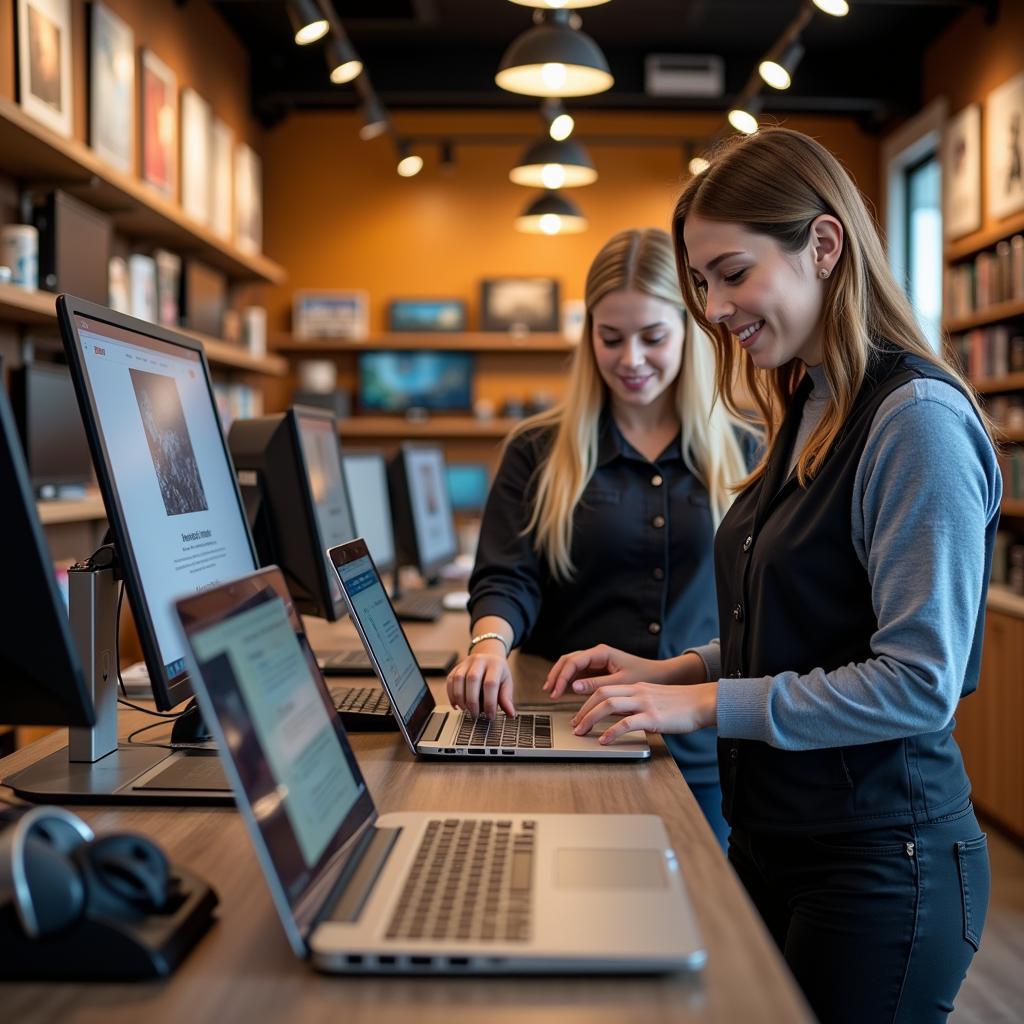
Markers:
284,749
383,637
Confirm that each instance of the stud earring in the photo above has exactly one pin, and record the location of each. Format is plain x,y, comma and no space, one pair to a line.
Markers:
823,273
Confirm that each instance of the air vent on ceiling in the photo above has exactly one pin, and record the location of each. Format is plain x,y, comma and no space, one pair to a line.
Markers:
684,74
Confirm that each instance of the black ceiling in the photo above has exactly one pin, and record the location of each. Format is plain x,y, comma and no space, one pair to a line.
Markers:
444,53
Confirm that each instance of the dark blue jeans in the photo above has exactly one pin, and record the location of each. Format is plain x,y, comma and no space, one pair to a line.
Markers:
879,925
709,798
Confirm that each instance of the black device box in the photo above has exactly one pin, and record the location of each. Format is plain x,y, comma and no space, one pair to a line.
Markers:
74,246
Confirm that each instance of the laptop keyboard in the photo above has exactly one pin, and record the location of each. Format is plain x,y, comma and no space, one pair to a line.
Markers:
471,879
530,731
367,700
356,659
423,606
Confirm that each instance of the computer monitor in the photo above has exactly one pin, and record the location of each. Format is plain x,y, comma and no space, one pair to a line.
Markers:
290,472
398,381
162,464
424,526
41,678
51,428
366,476
468,484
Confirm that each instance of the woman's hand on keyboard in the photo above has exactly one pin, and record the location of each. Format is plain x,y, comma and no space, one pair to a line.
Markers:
600,666
648,706
482,681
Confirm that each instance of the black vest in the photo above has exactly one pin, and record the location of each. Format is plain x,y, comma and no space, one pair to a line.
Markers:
793,596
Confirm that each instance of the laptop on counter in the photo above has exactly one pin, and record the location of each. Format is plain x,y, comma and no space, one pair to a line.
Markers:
437,730
413,892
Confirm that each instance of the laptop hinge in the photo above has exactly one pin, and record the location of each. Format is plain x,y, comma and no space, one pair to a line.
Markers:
353,888
434,727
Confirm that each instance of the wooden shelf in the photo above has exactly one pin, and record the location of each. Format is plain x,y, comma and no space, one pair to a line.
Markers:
435,427
1012,507
1002,599
1006,434
81,510
981,240
993,385
479,341
30,150
983,317
21,307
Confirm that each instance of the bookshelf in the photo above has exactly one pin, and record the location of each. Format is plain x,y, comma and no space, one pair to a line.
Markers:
87,509
396,428
478,341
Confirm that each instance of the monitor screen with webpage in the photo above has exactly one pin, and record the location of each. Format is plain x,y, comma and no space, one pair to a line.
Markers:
366,475
423,509
163,467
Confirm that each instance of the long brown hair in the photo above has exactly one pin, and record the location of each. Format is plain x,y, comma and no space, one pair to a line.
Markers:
644,261
776,183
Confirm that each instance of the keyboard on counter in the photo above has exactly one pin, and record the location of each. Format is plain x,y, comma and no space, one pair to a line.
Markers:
363,708
357,662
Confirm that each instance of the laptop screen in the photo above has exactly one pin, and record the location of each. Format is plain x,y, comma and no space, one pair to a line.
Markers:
383,635
278,726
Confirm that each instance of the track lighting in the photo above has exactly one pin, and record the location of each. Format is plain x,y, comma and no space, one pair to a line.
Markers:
308,21
551,214
409,163
559,121
559,5
342,60
698,165
777,70
744,118
550,164
837,8
375,118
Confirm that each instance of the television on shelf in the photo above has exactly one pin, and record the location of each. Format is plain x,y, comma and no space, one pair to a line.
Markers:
395,382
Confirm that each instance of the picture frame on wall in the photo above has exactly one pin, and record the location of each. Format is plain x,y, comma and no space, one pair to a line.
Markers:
961,173
44,62
222,146
330,314
519,304
159,124
1004,148
426,315
248,200
111,87
196,162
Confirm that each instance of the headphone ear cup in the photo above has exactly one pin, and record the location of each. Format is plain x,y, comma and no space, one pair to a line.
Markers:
55,889
124,872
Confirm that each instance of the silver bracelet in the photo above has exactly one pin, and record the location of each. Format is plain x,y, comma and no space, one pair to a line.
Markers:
489,636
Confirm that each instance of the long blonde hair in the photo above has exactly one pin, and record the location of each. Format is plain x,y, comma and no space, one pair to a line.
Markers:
640,260
776,183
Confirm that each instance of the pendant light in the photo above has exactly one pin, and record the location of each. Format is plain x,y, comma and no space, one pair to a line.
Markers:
308,21
744,117
551,214
550,164
554,59
342,60
777,70
837,8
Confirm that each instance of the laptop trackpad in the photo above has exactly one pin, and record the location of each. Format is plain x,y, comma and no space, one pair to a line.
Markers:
611,869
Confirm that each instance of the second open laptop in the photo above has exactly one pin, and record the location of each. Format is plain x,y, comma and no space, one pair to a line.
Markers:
415,891
436,730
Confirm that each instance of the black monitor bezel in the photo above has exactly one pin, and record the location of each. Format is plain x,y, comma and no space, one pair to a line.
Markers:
167,692
73,697
426,568
378,456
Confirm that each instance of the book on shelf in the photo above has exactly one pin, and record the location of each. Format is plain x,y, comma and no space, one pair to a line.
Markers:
992,277
990,352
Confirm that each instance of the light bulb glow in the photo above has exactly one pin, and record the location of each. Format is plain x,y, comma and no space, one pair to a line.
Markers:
743,121
411,165
552,175
837,8
311,32
553,75
698,165
346,72
774,74
550,223
561,127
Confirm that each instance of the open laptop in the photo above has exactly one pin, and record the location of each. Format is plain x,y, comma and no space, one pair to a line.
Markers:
417,891
437,730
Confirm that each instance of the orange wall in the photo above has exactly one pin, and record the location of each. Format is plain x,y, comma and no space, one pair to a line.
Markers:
338,216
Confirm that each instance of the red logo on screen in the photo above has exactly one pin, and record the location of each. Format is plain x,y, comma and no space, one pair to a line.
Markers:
99,350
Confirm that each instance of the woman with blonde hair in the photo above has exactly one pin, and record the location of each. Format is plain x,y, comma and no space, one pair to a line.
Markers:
599,523
851,571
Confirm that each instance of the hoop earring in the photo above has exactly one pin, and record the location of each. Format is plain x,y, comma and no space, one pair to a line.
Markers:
823,273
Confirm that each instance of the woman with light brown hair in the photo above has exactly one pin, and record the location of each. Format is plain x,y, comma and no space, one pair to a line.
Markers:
600,521
851,571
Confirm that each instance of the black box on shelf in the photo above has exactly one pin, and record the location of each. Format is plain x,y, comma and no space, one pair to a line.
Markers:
74,246
338,402
204,298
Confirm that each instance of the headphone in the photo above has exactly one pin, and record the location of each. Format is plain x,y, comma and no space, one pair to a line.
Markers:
54,872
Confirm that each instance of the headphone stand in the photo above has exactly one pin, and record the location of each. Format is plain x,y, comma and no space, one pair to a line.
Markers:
94,767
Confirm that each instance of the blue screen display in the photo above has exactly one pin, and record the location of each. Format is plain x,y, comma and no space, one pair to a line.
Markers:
397,381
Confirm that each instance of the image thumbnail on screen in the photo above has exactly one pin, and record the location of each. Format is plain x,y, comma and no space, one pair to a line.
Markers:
174,458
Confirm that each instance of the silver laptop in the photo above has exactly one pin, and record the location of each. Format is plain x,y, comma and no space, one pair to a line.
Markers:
420,892
437,730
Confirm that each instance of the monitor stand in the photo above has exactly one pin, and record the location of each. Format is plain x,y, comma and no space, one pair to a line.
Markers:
94,768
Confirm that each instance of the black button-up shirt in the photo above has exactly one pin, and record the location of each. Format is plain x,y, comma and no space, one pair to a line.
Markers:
642,548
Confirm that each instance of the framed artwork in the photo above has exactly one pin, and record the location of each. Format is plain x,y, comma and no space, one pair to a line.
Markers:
222,144
329,314
1004,148
427,315
196,165
44,62
961,173
519,304
111,88
248,200
159,124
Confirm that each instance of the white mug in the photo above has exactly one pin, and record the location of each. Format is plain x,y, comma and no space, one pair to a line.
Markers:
19,250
